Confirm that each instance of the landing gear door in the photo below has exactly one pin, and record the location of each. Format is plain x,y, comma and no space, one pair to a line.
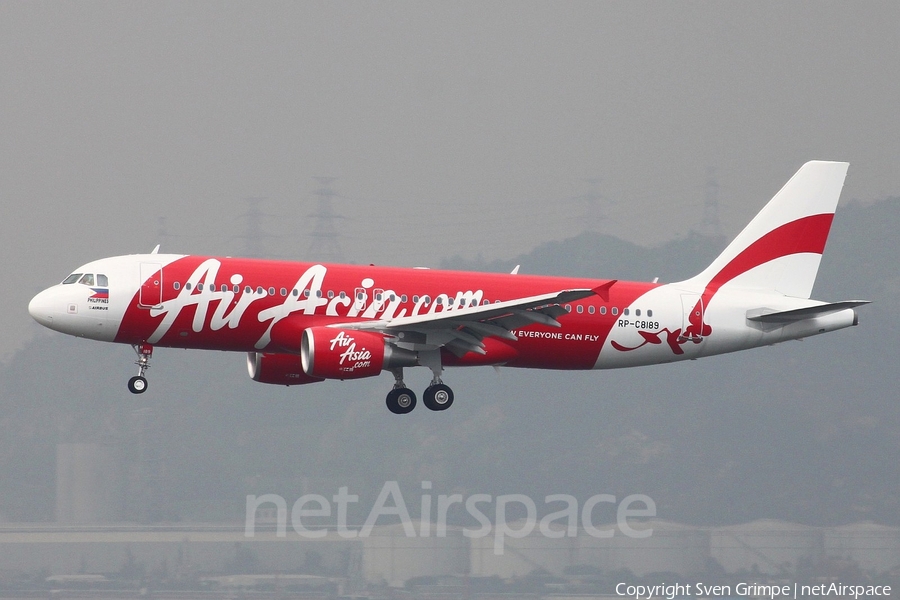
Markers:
692,324
151,285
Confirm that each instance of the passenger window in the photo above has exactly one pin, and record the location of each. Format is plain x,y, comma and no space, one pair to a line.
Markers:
102,280
649,313
295,293
625,312
602,310
71,278
187,286
271,291
343,295
615,310
224,288
568,308
330,294
177,286
591,309
87,279
637,312
284,291
260,291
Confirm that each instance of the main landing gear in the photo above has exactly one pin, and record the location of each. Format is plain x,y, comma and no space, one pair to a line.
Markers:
138,383
402,400
437,396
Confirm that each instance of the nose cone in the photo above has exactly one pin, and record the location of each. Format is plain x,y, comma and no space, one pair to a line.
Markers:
41,308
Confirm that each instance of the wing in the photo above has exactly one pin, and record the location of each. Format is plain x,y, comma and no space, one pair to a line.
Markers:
462,330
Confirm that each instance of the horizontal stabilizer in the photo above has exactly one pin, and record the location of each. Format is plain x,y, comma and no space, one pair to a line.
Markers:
767,315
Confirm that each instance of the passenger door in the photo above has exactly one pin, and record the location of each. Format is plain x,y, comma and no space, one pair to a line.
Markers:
151,285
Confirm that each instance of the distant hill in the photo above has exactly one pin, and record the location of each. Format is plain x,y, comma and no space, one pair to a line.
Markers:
806,432
607,257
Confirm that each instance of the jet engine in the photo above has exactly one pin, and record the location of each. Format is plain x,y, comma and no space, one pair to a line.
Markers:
331,353
282,369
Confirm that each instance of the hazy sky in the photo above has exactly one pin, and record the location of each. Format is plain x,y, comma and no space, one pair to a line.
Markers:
452,128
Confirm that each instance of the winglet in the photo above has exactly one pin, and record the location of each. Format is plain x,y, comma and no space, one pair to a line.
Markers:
156,250
515,271
603,290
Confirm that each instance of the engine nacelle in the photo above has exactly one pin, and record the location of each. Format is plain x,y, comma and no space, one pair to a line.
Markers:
282,369
346,354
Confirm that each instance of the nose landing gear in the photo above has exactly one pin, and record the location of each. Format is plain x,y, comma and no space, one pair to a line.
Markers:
138,384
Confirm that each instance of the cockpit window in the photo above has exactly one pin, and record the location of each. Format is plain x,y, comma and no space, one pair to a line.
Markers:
88,279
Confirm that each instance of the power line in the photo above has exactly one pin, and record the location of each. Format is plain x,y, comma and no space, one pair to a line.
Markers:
325,245
253,233
711,225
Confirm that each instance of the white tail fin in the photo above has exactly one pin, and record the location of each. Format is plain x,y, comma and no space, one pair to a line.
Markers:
780,250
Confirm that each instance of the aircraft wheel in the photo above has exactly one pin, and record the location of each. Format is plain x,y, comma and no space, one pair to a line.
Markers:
401,401
438,397
137,385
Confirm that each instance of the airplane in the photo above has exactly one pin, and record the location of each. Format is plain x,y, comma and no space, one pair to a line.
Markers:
302,322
